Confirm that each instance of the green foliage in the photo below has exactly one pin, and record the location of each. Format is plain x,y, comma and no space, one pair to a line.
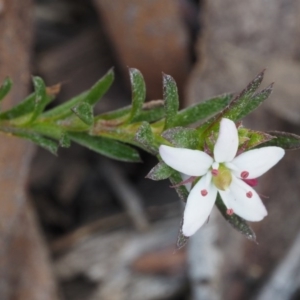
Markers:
202,110
145,137
171,100
5,88
107,147
160,171
84,111
182,137
138,94
235,221
285,140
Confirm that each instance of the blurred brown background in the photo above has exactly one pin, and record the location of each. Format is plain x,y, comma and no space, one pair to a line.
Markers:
79,226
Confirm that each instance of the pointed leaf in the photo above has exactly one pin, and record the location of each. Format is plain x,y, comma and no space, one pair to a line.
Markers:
90,96
41,99
145,137
160,171
241,105
138,93
201,110
285,140
41,141
235,221
5,87
182,137
181,239
64,140
23,108
84,112
107,147
255,101
171,100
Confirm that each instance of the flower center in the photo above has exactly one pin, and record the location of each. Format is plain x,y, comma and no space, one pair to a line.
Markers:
222,179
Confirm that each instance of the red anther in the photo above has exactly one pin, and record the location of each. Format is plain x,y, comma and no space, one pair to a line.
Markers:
244,174
204,193
229,211
214,172
249,194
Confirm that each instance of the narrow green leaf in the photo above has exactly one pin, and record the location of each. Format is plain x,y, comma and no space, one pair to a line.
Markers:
152,111
145,137
84,112
138,93
39,140
235,221
107,147
5,87
241,105
181,238
171,100
64,140
201,110
41,99
255,101
182,137
21,109
90,96
285,140
160,171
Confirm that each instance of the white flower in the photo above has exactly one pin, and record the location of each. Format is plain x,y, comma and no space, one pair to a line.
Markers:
224,174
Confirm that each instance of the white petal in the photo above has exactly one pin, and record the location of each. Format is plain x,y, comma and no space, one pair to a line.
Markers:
227,142
250,209
187,161
198,207
227,197
257,161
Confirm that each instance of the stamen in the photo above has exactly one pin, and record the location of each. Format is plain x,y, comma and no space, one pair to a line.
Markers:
214,172
204,193
244,174
249,194
229,211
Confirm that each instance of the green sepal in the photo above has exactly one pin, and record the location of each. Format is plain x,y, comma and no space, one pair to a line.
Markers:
202,110
39,140
5,87
145,137
235,221
252,138
160,172
84,112
105,146
138,94
182,137
90,96
285,140
171,100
